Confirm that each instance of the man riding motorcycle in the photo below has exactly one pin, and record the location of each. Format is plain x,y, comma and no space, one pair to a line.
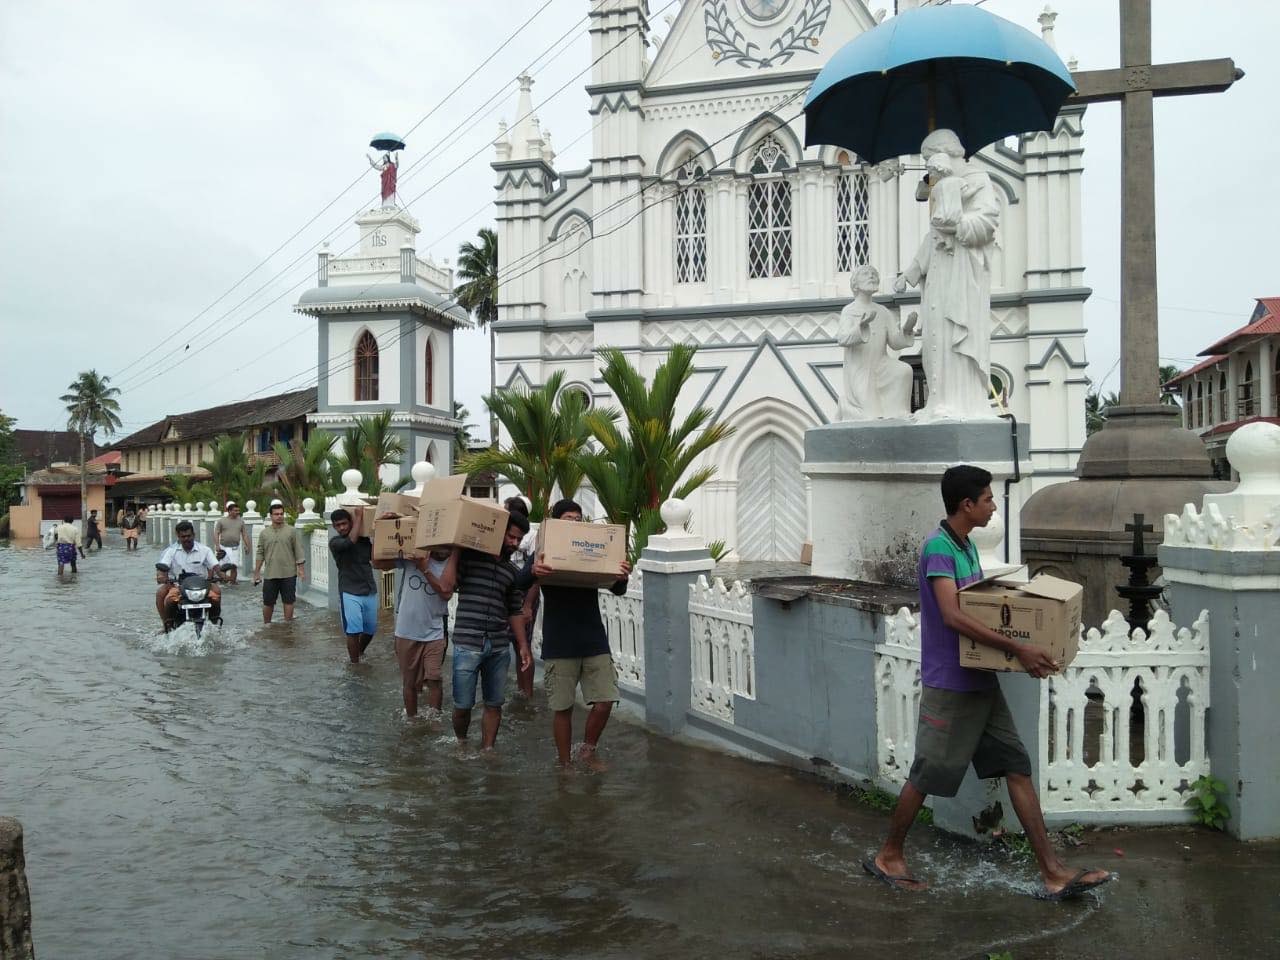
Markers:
179,560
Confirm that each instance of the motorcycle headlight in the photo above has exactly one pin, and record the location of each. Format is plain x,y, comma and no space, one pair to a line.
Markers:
197,595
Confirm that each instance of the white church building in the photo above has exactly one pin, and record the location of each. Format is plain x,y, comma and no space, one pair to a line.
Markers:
701,219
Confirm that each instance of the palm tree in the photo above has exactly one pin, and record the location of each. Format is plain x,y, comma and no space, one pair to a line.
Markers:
91,406
548,432
306,470
478,266
1167,372
1095,411
378,444
461,436
635,472
230,475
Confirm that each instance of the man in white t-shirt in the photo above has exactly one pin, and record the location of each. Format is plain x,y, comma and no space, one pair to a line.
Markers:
422,604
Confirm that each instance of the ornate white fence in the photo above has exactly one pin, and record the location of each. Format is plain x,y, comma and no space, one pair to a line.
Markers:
318,565
897,665
1092,757
624,622
722,641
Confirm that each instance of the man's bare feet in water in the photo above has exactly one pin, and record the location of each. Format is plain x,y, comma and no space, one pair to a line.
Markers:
588,757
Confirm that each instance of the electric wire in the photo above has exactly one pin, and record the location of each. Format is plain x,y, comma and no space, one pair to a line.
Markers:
347,189
187,354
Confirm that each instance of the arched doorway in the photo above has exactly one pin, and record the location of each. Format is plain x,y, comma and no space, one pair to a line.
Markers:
773,510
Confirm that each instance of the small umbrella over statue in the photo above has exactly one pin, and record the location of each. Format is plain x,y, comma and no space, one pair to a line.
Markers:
943,81
387,166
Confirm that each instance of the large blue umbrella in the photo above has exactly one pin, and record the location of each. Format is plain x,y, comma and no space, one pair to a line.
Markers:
953,66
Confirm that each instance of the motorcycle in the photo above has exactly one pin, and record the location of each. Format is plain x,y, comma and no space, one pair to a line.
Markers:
194,605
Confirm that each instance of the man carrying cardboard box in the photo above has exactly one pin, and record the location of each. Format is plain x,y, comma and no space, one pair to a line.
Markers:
963,715
358,590
489,603
575,651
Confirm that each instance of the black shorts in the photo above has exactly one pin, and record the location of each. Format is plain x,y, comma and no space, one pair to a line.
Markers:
957,728
286,588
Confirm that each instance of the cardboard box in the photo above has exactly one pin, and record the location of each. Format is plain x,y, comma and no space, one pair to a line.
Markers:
393,538
447,518
806,554
582,554
1044,612
398,504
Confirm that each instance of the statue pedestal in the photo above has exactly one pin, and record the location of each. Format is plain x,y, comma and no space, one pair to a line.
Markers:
876,493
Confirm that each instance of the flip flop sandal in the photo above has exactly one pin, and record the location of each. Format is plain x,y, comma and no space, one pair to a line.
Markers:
888,879
1075,887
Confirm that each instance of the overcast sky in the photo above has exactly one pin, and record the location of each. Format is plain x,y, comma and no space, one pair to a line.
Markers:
153,153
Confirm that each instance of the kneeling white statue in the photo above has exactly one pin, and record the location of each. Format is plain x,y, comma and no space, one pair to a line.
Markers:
876,383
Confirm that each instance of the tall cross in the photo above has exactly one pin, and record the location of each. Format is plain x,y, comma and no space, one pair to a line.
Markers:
1135,84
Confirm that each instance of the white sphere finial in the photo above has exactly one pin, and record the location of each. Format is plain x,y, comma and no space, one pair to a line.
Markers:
422,473
186,508
199,506
251,506
351,479
1254,451
675,513
308,504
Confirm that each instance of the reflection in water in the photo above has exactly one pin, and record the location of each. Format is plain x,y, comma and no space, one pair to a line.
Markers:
254,794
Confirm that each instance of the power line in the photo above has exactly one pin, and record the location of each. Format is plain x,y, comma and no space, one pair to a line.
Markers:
541,262
347,189
187,354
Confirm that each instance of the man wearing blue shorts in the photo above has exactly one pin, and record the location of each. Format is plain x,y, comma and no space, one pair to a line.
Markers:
353,552
489,604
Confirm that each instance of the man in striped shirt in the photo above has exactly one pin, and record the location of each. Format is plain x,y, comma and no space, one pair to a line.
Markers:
490,603
963,715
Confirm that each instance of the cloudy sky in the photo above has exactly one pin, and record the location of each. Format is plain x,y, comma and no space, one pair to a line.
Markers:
155,153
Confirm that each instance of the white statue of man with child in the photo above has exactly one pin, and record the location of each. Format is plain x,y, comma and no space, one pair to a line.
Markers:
954,266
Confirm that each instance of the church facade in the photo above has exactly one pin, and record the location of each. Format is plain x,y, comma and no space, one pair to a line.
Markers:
701,219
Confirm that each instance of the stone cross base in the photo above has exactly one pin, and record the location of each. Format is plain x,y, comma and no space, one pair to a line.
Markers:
877,494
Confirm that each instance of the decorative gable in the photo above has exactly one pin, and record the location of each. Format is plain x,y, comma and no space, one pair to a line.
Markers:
730,39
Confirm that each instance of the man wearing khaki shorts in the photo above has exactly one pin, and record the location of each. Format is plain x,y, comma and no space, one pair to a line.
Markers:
575,652
422,604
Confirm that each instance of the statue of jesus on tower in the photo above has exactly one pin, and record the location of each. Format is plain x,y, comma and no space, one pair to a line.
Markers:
387,167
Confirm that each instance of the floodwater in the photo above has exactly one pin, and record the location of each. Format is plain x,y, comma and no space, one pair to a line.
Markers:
256,796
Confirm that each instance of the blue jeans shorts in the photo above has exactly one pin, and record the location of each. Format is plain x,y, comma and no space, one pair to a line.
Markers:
359,614
489,663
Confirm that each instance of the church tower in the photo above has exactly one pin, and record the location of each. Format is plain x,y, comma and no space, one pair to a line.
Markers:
385,321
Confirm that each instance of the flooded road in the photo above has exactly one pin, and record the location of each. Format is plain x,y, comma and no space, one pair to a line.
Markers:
257,796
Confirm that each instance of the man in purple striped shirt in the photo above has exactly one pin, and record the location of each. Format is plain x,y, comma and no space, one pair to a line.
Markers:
963,715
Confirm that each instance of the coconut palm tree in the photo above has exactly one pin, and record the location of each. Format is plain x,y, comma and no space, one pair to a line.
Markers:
230,475
461,436
478,295
306,470
1167,372
91,406
1095,411
379,444
645,463
547,431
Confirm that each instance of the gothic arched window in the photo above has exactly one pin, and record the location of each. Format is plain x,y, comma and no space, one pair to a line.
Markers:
367,367
429,374
1223,399
853,229
1246,391
1199,403
691,223
769,212
1208,400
